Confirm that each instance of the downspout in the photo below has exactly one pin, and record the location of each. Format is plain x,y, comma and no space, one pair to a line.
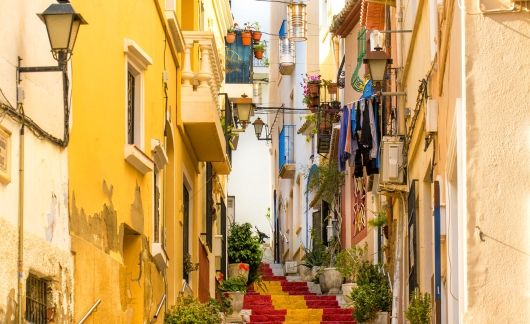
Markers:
21,224
396,291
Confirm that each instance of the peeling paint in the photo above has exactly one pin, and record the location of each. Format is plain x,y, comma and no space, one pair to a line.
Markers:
137,211
8,315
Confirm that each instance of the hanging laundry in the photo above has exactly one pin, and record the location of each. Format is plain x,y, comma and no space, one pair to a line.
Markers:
343,133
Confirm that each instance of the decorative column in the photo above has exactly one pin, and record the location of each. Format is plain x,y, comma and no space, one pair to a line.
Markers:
204,74
187,73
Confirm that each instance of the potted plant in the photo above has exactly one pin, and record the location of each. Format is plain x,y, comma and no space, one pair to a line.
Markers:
419,310
348,262
380,220
311,87
256,33
330,278
371,298
188,310
314,258
246,36
244,252
234,288
230,35
330,86
259,49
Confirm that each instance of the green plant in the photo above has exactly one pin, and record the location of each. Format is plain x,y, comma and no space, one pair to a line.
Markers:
372,293
328,180
231,30
234,284
316,256
349,261
419,310
188,265
331,252
260,46
379,219
244,247
188,310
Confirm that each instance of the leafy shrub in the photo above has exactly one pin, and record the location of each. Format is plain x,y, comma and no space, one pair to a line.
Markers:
419,311
188,310
316,256
244,247
234,284
349,261
372,293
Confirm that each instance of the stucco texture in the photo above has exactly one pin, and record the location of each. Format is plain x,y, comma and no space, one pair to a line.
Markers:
498,150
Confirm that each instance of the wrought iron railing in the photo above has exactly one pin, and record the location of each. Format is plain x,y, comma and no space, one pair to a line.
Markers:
286,143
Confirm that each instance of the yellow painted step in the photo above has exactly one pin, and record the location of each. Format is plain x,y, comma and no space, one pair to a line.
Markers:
304,315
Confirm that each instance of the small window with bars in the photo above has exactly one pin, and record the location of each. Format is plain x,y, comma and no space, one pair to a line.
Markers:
37,290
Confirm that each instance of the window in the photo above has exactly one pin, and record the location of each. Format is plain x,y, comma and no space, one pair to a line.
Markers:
137,62
5,155
36,300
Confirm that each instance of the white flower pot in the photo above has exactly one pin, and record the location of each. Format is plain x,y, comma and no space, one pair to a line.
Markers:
330,281
236,302
381,318
346,290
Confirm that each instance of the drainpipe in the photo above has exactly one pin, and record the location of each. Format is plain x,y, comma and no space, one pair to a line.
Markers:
396,290
400,87
21,224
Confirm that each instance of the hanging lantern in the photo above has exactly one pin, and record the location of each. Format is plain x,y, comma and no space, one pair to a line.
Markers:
286,51
296,16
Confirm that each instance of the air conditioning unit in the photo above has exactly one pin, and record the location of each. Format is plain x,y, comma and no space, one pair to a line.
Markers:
431,116
392,166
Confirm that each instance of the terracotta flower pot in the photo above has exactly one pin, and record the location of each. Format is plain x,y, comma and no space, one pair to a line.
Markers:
313,88
230,38
256,36
332,88
258,54
246,38
238,269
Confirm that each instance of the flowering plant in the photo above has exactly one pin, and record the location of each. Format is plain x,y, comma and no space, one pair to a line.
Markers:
308,94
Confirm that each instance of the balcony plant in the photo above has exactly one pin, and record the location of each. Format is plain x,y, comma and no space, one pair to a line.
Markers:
328,181
189,266
330,86
189,310
230,35
348,262
244,252
311,88
256,33
246,36
259,49
371,298
419,310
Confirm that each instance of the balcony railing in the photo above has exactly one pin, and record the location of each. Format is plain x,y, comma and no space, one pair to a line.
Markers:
286,156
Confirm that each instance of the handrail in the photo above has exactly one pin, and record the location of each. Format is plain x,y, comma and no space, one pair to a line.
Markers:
160,306
90,311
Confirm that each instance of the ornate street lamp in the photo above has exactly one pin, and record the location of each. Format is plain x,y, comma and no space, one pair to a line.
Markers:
258,128
62,24
243,109
296,16
377,59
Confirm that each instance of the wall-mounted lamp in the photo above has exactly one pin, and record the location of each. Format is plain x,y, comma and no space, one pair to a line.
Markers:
243,109
62,24
258,129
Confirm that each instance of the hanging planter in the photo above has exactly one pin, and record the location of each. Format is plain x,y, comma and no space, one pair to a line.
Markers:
331,87
246,38
230,36
259,49
256,35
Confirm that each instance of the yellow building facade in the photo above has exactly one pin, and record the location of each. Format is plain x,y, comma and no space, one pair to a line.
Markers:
144,151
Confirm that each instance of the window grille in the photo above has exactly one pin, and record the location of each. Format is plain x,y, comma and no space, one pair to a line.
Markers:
130,107
36,300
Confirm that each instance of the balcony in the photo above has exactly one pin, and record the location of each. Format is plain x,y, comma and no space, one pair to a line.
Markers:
200,102
286,156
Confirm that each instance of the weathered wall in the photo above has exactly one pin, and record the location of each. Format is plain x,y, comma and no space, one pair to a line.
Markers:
497,109
46,240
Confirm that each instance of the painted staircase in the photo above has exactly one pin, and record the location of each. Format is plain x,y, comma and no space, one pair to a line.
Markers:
291,302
